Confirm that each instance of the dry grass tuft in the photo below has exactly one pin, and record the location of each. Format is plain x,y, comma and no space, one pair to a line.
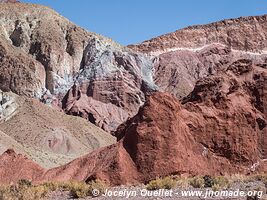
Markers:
24,190
197,182
162,183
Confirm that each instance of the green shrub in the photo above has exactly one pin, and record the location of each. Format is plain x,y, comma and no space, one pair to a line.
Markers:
260,177
237,178
52,186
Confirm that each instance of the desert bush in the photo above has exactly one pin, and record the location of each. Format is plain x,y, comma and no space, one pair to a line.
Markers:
24,183
52,186
197,182
260,177
221,181
237,178
161,183
81,189
5,193
209,182
24,190
99,185
34,193
216,187
182,182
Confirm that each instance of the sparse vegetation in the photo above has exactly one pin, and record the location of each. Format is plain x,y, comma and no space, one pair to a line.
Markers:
209,182
216,187
221,182
24,190
182,182
162,183
261,177
81,190
238,178
197,182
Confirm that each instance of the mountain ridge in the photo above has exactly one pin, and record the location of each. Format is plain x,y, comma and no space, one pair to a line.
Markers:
199,109
165,41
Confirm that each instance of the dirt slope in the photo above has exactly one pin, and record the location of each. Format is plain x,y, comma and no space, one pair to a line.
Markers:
48,136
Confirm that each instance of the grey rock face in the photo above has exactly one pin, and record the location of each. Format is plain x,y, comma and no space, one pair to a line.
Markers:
8,105
112,75
61,56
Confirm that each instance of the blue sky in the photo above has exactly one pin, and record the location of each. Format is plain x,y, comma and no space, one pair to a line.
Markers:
133,21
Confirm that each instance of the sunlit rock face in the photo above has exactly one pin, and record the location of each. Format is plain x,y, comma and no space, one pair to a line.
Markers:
187,55
47,57
110,86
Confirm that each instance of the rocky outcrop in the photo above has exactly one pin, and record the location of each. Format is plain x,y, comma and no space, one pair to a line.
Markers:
218,71
156,142
186,55
178,71
111,85
45,56
44,37
226,113
220,128
14,167
244,33
8,105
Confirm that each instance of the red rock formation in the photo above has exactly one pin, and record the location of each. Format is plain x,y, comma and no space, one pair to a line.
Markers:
186,55
244,33
105,115
219,129
45,56
227,112
14,167
146,150
178,71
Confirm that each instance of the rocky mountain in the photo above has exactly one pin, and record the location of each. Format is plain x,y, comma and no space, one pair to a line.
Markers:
220,128
192,102
45,56
184,56
244,33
